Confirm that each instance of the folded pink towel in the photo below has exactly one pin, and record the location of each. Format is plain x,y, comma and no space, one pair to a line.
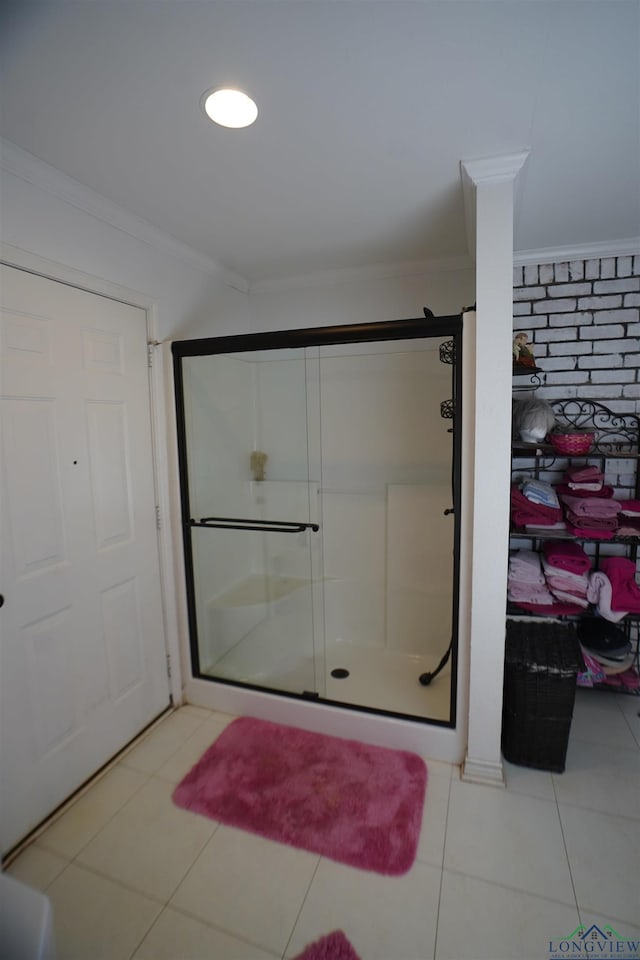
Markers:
592,533
570,598
630,508
567,586
591,523
547,528
525,511
572,490
591,506
578,579
625,592
599,593
555,609
588,473
566,556
524,566
529,593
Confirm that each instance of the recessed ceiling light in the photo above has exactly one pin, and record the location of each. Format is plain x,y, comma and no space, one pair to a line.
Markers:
229,108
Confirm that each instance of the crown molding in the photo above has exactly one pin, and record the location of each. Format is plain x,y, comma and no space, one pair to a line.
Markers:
371,272
25,165
584,251
484,171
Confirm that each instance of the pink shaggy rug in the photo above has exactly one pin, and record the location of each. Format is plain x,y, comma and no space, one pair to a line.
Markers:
334,946
346,800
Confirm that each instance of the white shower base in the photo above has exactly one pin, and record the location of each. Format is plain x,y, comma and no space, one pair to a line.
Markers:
269,643
386,680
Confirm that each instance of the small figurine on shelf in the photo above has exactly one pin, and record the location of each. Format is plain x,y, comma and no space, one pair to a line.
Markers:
522,351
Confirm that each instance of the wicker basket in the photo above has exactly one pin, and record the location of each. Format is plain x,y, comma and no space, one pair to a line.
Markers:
572,444
542,661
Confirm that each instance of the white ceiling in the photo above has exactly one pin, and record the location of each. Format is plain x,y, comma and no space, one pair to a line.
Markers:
367,108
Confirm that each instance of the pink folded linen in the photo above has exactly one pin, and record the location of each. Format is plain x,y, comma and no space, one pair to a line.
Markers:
590,523
524,565
524,511
592,534
557,584
603,492
625,592
556,609
588,473
547,528
566,555
578,579
529,593
591,506
630,508
570,598
599,593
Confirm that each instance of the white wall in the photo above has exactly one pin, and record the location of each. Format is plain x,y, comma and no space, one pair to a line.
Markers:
56,226
51,219
360,297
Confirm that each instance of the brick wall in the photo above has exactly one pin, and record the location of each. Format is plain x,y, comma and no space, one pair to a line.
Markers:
583,319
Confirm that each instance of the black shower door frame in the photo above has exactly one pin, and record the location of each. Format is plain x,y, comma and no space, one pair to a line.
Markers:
450,327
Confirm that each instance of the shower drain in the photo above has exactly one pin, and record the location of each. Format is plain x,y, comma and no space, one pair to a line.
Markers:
339,673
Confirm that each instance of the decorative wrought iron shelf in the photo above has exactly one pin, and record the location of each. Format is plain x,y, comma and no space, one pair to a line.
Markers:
616,437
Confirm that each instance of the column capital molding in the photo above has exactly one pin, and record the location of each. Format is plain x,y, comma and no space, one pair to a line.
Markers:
488,171
506,166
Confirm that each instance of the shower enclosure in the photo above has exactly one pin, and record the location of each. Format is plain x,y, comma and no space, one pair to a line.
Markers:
319,480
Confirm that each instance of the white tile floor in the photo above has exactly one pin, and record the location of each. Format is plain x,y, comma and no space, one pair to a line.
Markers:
499,873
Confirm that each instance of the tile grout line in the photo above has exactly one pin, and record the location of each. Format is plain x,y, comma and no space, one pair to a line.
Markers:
227,932
42,843
295,922
510,889
566,850
444,851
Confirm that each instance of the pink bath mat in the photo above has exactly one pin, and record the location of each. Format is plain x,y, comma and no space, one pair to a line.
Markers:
351,802
334,946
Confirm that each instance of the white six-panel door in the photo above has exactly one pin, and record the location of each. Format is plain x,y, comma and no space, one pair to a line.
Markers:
82,647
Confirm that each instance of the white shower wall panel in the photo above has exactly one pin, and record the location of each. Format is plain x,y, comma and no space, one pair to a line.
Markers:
354,565
220,412
285,554
419,567
281,415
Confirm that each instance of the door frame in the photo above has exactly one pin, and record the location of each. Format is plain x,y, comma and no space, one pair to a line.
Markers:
12,256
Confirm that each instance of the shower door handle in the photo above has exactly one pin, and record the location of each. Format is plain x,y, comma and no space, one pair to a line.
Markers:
242,523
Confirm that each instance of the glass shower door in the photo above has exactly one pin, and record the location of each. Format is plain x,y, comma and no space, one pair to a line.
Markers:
253,517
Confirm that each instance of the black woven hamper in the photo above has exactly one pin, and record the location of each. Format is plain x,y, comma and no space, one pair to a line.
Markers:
542,661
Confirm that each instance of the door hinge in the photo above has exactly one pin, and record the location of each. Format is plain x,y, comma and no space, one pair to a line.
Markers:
158,521
169,665
150,345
